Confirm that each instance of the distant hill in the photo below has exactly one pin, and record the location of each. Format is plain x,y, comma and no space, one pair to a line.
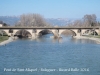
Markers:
59,21
12,20
62,21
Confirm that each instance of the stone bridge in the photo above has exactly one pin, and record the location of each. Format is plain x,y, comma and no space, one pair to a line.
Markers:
57,31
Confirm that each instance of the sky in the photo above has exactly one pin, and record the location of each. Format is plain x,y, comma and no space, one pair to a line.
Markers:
50,8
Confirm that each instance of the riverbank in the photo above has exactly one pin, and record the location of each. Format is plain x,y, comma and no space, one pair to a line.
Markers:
3,38
95,38
6,41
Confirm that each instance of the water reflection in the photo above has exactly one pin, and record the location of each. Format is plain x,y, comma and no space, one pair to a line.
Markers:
46,38
83,41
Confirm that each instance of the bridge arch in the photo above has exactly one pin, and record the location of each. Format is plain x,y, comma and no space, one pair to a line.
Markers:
23,33
68,30
98,31
40,30
57,33
7,32
4,32
53,31
90,31
73,32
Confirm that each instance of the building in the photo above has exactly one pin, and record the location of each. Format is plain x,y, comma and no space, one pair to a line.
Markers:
1,25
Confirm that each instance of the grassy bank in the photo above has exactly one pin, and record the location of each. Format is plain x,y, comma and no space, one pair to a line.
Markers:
3,38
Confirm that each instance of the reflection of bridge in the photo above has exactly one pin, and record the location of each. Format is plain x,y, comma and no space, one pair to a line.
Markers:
34,31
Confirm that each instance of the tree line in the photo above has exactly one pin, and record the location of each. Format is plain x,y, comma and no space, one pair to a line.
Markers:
86,21
39,21
32,20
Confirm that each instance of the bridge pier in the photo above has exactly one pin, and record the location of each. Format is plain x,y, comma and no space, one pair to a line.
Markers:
55,33
60,32
33,35
83,32
30,31
77,32
98,31
37,33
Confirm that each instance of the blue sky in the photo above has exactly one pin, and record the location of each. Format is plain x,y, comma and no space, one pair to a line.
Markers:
50,8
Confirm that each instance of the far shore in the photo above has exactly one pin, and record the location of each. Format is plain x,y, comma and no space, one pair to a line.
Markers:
91,38
81,37
6,41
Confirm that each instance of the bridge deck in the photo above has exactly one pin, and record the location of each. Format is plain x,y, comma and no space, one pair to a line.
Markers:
49,27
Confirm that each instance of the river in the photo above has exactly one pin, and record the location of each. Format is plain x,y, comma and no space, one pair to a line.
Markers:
47,56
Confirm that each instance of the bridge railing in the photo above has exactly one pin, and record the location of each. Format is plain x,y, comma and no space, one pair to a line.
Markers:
58,27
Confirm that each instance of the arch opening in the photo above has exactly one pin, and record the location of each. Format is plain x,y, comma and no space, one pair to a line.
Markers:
45,32
3,33
68,32
90,32
23,34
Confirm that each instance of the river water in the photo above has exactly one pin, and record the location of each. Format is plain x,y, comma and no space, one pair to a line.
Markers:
47,56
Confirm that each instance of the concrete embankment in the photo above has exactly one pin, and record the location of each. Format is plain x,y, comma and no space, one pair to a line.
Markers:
90,38
6,41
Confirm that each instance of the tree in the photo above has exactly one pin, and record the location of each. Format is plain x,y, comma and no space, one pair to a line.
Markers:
90,20
4,24
77,23
32,20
